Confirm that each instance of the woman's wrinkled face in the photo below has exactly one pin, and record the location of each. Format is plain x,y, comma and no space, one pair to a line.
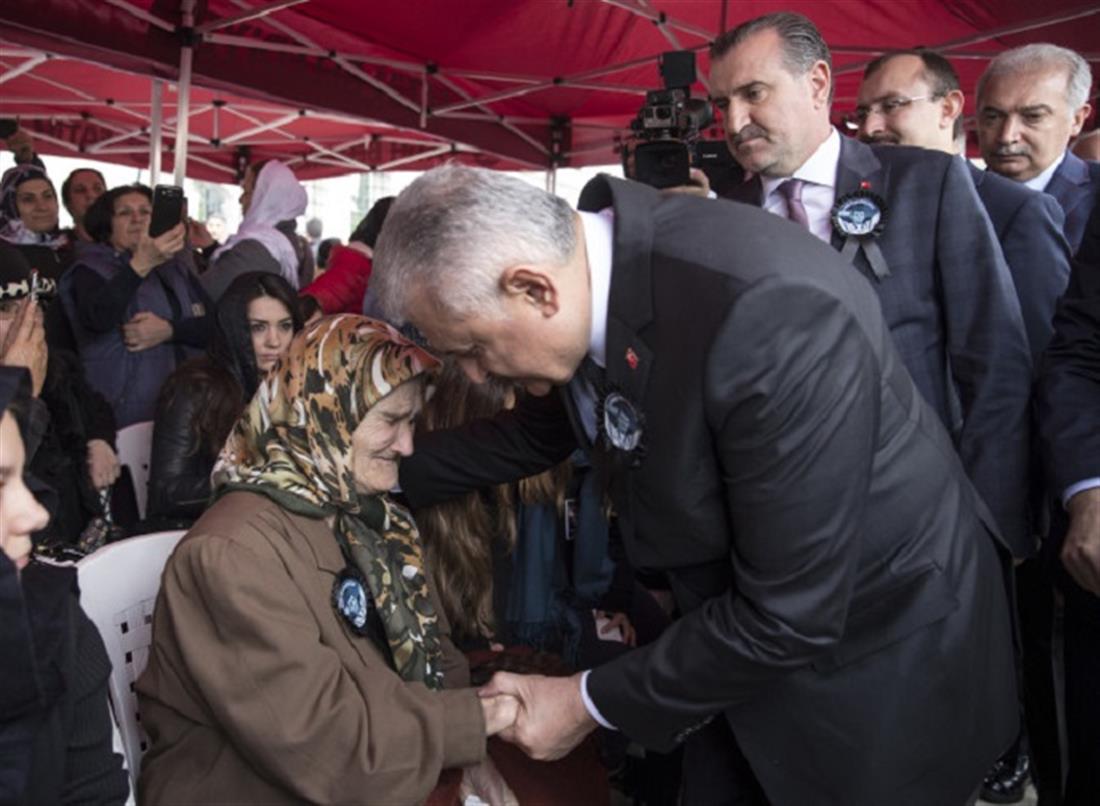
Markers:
130,220
37,205
272,329
383,437
20,514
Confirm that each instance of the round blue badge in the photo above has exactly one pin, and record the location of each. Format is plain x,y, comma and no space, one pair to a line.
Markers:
859,214
351,600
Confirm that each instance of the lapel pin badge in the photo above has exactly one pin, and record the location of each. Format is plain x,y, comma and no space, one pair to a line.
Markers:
632,358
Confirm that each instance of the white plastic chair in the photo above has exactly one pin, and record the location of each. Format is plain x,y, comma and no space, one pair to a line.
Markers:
118,589
135,449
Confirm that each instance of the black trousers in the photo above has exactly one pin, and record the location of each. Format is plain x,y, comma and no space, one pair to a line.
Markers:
1035,611
1082,651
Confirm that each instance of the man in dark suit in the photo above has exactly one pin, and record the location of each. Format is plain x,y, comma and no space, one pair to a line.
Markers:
1032,101
1069,410
934,261
914,98
845,611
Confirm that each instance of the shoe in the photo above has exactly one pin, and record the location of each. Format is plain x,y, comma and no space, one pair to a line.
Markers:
1006,782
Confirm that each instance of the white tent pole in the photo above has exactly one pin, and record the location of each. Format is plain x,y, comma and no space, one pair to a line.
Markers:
551,180
156,138
183,95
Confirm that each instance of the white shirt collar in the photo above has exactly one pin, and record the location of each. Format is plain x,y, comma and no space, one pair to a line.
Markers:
819,169
599,234
1041,181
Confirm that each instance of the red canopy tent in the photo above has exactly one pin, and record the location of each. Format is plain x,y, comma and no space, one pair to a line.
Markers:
518,83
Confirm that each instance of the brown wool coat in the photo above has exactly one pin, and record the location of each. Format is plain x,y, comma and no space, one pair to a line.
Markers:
256,691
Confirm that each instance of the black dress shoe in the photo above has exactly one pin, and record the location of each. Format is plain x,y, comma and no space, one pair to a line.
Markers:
1006,782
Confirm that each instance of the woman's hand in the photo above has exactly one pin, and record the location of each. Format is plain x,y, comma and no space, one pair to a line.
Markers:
103,466
145,330
25,344
500,712
151,252
487,783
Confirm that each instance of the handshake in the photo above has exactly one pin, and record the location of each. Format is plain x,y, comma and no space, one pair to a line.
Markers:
543,716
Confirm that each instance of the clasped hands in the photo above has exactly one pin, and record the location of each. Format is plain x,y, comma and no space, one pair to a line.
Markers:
543,716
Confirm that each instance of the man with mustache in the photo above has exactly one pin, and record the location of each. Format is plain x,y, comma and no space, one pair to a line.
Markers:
933,259
1032,101
914,98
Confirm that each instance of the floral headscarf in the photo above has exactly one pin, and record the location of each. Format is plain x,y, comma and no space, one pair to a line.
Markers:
12,228
294,442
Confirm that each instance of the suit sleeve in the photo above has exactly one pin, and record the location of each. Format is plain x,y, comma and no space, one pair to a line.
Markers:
1069,389
795,431
533,437
284,699
988,355
1038,257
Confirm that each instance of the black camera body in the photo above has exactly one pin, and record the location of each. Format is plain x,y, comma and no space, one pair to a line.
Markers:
668,128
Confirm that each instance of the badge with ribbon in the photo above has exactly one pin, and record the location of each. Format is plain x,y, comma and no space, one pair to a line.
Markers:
621,426
351,599
860,217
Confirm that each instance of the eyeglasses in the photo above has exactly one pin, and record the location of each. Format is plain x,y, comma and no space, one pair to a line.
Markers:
127,212
887,107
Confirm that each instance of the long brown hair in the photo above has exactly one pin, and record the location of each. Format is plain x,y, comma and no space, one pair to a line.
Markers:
458,534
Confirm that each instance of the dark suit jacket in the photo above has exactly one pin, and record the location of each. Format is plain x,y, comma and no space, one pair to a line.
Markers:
1029,226
952,310
1069,392
1075,185
844,599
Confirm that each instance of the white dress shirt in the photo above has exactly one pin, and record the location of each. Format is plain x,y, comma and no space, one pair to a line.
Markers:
819,192
1041,181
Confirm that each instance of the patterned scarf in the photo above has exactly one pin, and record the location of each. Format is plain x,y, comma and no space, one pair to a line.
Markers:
294,444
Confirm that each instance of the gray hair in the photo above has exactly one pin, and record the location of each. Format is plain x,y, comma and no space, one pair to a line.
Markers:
453,232
803,45
1043,56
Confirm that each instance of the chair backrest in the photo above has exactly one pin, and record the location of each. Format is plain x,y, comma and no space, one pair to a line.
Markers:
118,589
135,449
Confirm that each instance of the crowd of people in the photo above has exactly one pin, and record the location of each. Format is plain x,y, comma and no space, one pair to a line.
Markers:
765,492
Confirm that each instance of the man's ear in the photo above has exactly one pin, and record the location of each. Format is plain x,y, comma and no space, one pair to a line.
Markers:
533,287
951,108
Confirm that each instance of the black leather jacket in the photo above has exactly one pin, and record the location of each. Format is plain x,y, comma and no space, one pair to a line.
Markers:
179,473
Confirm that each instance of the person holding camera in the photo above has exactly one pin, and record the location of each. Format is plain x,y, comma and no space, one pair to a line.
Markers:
135,304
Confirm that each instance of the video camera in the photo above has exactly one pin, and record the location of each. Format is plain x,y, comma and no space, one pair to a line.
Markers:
669,127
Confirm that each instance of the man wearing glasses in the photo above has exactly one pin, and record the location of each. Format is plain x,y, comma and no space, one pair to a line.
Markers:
914,98
931,253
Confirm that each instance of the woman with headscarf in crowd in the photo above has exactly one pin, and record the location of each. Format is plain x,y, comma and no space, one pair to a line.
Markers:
76,458
255,321
343,286
134,303
299,653
55,727
29,219
271,198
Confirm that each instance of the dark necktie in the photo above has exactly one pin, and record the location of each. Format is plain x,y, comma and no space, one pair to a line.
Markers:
791,191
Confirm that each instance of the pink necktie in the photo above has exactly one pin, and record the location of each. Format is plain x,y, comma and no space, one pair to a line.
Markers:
791,191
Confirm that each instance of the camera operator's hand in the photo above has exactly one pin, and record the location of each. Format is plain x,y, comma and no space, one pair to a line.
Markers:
698,185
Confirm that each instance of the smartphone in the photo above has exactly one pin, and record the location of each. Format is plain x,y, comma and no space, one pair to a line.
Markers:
34,285
168,206
8,127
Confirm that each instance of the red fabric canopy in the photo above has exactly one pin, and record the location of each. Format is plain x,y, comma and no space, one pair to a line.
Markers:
523,83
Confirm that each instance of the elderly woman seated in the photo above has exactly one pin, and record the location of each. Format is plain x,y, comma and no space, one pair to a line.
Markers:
299,653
